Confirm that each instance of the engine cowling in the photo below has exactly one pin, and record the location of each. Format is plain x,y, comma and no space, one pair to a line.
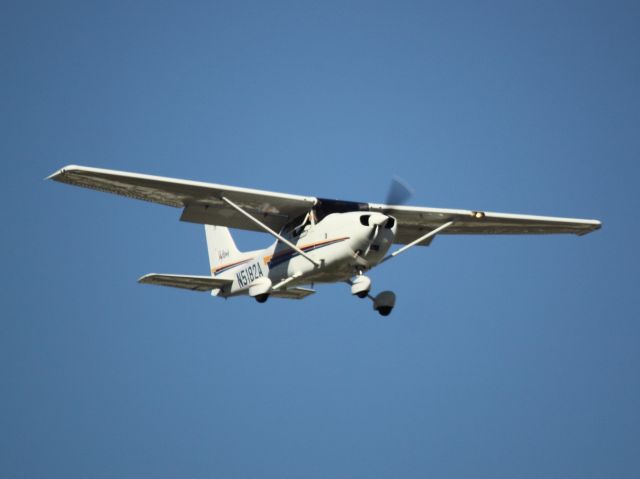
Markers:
380,235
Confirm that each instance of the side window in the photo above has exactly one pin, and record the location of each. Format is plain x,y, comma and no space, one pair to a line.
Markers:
301,229
295,227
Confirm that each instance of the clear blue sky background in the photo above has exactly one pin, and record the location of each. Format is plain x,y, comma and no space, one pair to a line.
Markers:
505,357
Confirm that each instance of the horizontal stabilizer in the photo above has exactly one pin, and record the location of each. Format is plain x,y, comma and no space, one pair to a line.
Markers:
194,283
292,293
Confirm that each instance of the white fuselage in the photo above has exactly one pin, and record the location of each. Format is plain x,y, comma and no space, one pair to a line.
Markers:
344,244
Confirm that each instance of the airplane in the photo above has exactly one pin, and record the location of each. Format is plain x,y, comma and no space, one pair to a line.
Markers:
317,240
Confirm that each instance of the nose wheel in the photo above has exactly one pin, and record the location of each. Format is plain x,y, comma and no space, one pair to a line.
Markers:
383,303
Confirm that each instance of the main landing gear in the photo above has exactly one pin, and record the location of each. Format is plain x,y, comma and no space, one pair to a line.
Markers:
262,298
383,303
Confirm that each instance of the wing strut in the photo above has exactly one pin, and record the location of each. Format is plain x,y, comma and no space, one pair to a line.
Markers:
419,240
269,230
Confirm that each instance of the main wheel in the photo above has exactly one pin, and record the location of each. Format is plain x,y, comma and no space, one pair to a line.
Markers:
385,310
360,286
261,298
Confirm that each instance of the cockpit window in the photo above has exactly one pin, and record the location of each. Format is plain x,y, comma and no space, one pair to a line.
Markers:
364,220
325,207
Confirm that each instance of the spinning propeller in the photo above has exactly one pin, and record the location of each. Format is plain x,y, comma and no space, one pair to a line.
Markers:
399,192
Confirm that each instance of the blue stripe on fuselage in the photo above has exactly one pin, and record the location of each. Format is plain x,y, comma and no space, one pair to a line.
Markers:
287,255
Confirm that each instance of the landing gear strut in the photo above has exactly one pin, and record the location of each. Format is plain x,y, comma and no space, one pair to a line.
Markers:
360,286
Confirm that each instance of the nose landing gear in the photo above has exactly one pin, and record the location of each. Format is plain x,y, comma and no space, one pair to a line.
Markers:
383,303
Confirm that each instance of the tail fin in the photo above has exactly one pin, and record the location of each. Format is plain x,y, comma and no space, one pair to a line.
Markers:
222,249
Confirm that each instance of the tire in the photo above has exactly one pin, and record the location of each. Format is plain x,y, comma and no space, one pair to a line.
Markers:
261,298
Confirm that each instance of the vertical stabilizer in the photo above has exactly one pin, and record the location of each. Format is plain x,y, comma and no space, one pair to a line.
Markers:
222,249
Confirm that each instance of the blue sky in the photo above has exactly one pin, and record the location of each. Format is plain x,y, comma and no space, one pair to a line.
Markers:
505,356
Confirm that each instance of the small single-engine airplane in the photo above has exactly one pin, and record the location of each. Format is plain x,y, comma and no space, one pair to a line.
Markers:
318,240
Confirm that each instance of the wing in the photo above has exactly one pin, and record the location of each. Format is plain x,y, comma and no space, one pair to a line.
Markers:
194,283
201,202
292,293
414,222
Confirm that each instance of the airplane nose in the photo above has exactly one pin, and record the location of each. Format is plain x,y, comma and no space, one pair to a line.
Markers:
378,219
382,221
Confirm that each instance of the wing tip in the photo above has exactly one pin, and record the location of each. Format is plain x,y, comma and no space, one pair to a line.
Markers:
58,174
144,279
594,225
